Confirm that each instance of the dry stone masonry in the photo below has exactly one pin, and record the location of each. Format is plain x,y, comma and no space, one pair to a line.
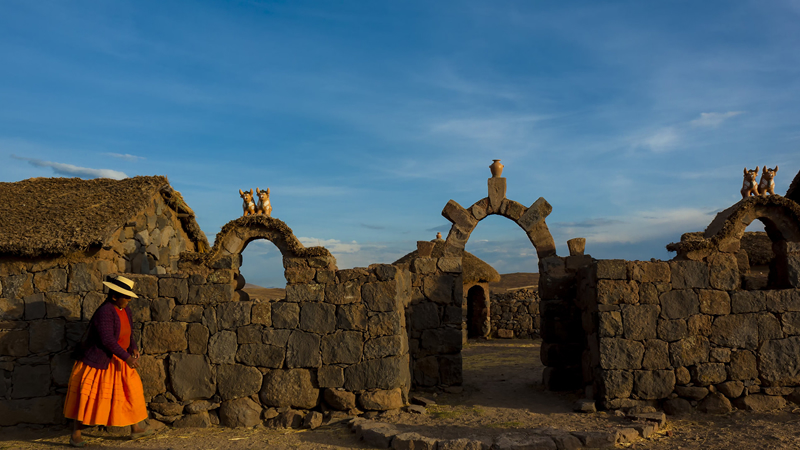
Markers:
516,314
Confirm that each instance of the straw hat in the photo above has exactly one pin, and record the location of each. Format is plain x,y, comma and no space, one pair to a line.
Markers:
122,285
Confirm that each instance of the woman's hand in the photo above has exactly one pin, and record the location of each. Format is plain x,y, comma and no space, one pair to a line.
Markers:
136,354
133,361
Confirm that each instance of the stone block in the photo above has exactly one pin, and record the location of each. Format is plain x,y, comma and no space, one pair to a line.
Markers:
715,403
163,337
439,288
618,353
285,315
330,377
779,362
791,323
672,330
679,304
760,403
535,214
261,355
656,355
597,439
639,321
210,294
743,366
413,441
385,324
250,334
689,274
748,301
768,327
718,354
233,315
690,351
424,249
276,337
303,350
450,265
510,209
423,265
187,313
242,412
83,278
261,313
12,308
611,269
46,336
381,400
497,192
237,381
441,340
423,316
708,374
343,293
731,389
199,420
301,293
222,347
713,302
650,293
177,288
723,271
385,373
197,338
576,246
343,347
299,275
735,331
60,368
161,309
676,407
151,371
191,376
318,318
289,388
653,384
615,292
30,381
41,410
649,272
609,323
52,280
783,300
351,317
700,325
456,214
63,304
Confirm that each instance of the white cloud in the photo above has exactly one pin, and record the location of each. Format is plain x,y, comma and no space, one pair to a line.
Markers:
662,140
125,156
713,119
74,171
333,245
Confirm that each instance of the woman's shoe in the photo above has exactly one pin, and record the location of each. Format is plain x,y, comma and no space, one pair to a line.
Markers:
141,434
76,444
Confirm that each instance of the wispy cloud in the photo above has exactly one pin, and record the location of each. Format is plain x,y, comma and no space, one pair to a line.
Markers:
713,119
125,156
589,223
74,171
659,141
334,245
372,227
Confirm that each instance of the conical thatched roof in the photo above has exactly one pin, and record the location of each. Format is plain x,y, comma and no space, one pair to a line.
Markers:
475,270
54,216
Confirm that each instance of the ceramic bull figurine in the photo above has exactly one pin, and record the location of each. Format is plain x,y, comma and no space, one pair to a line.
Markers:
248,207
264,206
767,184
749,185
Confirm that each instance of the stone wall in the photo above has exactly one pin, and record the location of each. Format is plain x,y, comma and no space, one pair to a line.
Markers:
684,333
210,354
517,313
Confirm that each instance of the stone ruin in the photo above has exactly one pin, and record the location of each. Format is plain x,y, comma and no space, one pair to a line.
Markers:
690,331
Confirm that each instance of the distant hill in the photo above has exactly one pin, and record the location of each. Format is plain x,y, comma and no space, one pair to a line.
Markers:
508,282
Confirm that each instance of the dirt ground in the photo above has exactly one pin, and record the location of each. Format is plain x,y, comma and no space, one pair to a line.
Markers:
502,393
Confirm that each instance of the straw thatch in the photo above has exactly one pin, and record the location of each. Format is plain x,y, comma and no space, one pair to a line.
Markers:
56,216
474,270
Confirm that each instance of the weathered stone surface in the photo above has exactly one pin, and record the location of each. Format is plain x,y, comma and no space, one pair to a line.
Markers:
682,375
735,331
261,355
381,296
303,350
615,292
707,374
616,383
163,337
199,406
343,347
768,327
292,388
276,337
692,392
12,308
35,306
470,444
689,274
236,381
715,403
640,321
285,315
679,304
612,269
656,355
41,410
689,351
330,377
385,324
439,288
191,376
30,381
63,304
302,293
299,275
748,301
222,347
791,323
343,293
760,403
200,420
723,271
620,353
609,323
161,309
261,313
413,441
151,371
385,346
441,340
648,272
731,389
83,278
177,288
249,334
340,400
381,400
318,318
197,338
46,336
597,439
351,317
233,315
719,354
313,420
779,361
167,409
52,280
209,294
677,407
743,366
186,313
672,330
653,384
423,316
714,302
385,373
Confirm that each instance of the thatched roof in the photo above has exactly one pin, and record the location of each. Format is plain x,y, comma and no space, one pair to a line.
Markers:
55,216
474,269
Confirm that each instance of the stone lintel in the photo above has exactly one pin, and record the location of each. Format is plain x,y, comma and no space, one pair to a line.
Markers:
497,192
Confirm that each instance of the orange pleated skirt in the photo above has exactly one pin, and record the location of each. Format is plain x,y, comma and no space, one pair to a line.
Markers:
111,397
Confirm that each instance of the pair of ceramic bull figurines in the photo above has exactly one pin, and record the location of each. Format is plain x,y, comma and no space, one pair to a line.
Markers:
766,186
250,208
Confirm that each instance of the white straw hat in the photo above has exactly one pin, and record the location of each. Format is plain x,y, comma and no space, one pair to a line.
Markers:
122,285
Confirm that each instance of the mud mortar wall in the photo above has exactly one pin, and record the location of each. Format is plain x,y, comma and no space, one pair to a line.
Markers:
686,330
209,354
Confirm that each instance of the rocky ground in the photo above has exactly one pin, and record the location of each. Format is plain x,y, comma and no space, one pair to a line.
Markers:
502,394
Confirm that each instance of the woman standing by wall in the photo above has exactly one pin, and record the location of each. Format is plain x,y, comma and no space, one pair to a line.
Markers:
104,387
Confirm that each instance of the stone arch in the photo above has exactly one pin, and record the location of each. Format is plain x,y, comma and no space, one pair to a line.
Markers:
236,234
531,219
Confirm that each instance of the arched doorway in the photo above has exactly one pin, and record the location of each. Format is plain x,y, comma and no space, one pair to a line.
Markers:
478,315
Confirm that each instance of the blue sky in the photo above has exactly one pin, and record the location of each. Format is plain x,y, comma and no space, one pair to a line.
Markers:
633,119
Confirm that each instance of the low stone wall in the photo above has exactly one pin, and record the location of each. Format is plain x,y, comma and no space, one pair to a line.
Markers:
338,338
683,332
515,314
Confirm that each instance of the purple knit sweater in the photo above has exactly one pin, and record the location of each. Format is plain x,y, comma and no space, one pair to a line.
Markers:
104,330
